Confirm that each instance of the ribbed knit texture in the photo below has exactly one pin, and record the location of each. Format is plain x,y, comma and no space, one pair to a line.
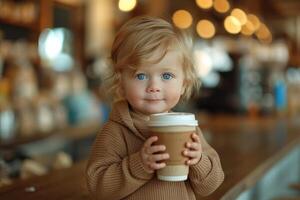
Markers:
115,169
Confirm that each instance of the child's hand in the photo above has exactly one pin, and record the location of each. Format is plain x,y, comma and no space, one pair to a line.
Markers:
193,150
152,155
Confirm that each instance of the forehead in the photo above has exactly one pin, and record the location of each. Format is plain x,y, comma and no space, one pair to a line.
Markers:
170,57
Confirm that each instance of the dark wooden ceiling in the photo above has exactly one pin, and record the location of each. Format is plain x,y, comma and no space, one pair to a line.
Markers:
270,8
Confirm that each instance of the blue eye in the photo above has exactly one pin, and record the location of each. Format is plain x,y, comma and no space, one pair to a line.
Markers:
167,76
141,76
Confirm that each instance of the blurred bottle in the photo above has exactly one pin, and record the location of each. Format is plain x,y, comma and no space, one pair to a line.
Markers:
82,105
7,121
280,92
25,117
293,80
43,113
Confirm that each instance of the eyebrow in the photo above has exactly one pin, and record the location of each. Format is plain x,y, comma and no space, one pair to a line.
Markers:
169,68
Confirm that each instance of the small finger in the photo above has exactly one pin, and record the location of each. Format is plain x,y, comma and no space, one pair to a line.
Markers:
191,154
196,138
156,149
192,161
156,166
150,141
160,157
193,145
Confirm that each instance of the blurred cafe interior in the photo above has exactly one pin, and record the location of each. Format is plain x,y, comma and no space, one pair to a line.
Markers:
54,56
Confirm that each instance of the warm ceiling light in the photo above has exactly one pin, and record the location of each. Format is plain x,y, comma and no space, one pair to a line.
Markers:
263,32
127,5
240,15
221,6
248,28
205,4
254,20
205,29
182,19
232,25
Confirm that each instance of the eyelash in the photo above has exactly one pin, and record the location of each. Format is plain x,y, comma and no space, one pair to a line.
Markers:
168,74
138,76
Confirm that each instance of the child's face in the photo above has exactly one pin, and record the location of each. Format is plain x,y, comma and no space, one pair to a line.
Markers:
156,88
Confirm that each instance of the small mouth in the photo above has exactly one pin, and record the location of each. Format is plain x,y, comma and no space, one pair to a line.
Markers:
153,99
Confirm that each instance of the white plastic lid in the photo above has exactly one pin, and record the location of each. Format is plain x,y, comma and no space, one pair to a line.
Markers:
172,119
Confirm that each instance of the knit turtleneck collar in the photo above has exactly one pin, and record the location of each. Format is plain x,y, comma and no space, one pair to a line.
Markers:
140,122
136,122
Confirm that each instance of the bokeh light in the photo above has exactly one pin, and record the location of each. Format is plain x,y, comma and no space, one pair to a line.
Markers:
232,25
264,34
221,6
205,4
248,28
127,5
240,15
205,29
254,20
182,19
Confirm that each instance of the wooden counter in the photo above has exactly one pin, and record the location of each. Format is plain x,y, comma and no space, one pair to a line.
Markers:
248,149
62,184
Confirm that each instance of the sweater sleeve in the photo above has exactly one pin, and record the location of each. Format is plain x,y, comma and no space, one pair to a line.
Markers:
111,173
207,175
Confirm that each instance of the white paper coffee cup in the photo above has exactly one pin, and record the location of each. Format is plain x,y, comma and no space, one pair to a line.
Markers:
174,130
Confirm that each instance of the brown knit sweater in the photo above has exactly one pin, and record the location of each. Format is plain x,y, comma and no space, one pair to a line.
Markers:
115,169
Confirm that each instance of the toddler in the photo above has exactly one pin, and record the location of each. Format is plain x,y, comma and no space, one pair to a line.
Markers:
152,72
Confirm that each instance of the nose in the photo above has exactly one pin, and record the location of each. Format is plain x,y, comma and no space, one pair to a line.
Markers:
153,87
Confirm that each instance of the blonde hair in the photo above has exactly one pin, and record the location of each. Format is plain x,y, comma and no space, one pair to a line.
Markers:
135,43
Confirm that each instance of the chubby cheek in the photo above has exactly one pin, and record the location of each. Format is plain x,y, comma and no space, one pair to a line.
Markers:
133,96
173,96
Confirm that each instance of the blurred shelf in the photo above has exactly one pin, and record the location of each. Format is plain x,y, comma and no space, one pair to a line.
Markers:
26,25
47,14
72,133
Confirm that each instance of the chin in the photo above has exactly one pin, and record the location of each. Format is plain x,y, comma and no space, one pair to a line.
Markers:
155,111
152,109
